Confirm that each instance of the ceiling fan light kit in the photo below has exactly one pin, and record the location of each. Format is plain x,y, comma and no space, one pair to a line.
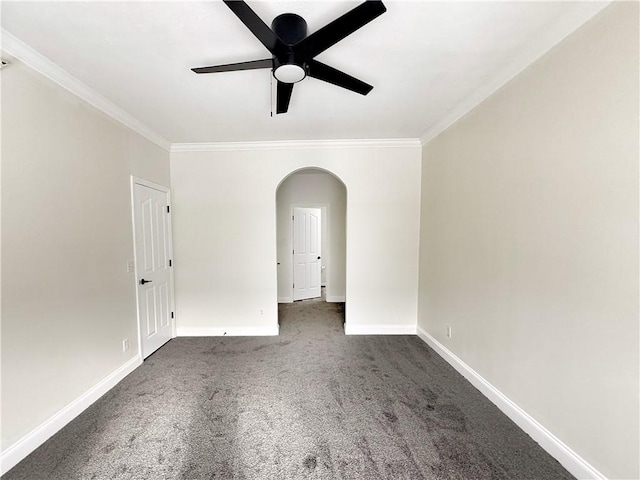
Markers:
289,73
293,51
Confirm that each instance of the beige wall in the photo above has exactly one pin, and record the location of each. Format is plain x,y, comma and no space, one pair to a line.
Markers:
225,235
312,190
529,241
67,299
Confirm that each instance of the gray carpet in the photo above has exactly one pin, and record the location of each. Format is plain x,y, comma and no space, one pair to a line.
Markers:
311,403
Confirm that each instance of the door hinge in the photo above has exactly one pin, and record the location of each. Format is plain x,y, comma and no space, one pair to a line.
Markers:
168,209
171,314
293,252
294,285
170,263
292,217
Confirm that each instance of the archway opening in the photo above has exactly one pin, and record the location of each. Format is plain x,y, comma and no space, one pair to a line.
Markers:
321,196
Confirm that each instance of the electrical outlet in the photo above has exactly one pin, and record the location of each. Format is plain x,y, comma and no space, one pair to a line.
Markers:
131,266
261,312
448,331
125,345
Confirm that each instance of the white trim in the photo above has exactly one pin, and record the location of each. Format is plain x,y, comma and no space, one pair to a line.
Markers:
27,444
27,55
294,144
285,299
350,329
147,183
549,37
569,459
336,299
228,331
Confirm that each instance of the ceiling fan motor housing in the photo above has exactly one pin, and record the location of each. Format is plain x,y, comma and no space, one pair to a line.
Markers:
289,67
290,28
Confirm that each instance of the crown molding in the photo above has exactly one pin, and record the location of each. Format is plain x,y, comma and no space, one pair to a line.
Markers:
295,144
549,38
27,55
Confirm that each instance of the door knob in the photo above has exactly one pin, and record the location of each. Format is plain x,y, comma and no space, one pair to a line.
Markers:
318,258
143,281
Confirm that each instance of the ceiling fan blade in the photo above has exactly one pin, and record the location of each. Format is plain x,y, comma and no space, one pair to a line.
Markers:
340,28
231,67
283,96
254,23
331,75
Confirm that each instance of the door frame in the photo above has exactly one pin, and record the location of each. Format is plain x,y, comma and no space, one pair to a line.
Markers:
324,231
146,183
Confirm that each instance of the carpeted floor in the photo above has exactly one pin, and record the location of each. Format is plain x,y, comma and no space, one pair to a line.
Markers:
310,403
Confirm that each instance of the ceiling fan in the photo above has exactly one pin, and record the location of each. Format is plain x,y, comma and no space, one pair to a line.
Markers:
293,51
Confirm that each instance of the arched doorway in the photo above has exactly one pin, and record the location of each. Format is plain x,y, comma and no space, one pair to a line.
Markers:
319,189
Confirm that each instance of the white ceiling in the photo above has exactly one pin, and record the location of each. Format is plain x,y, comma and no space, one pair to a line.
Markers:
429,62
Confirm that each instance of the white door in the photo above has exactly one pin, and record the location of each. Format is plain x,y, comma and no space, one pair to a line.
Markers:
306,253
152,263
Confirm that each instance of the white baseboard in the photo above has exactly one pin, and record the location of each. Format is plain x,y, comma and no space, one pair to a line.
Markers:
569,459
330,299
336,299
228,331
379,329
27,444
